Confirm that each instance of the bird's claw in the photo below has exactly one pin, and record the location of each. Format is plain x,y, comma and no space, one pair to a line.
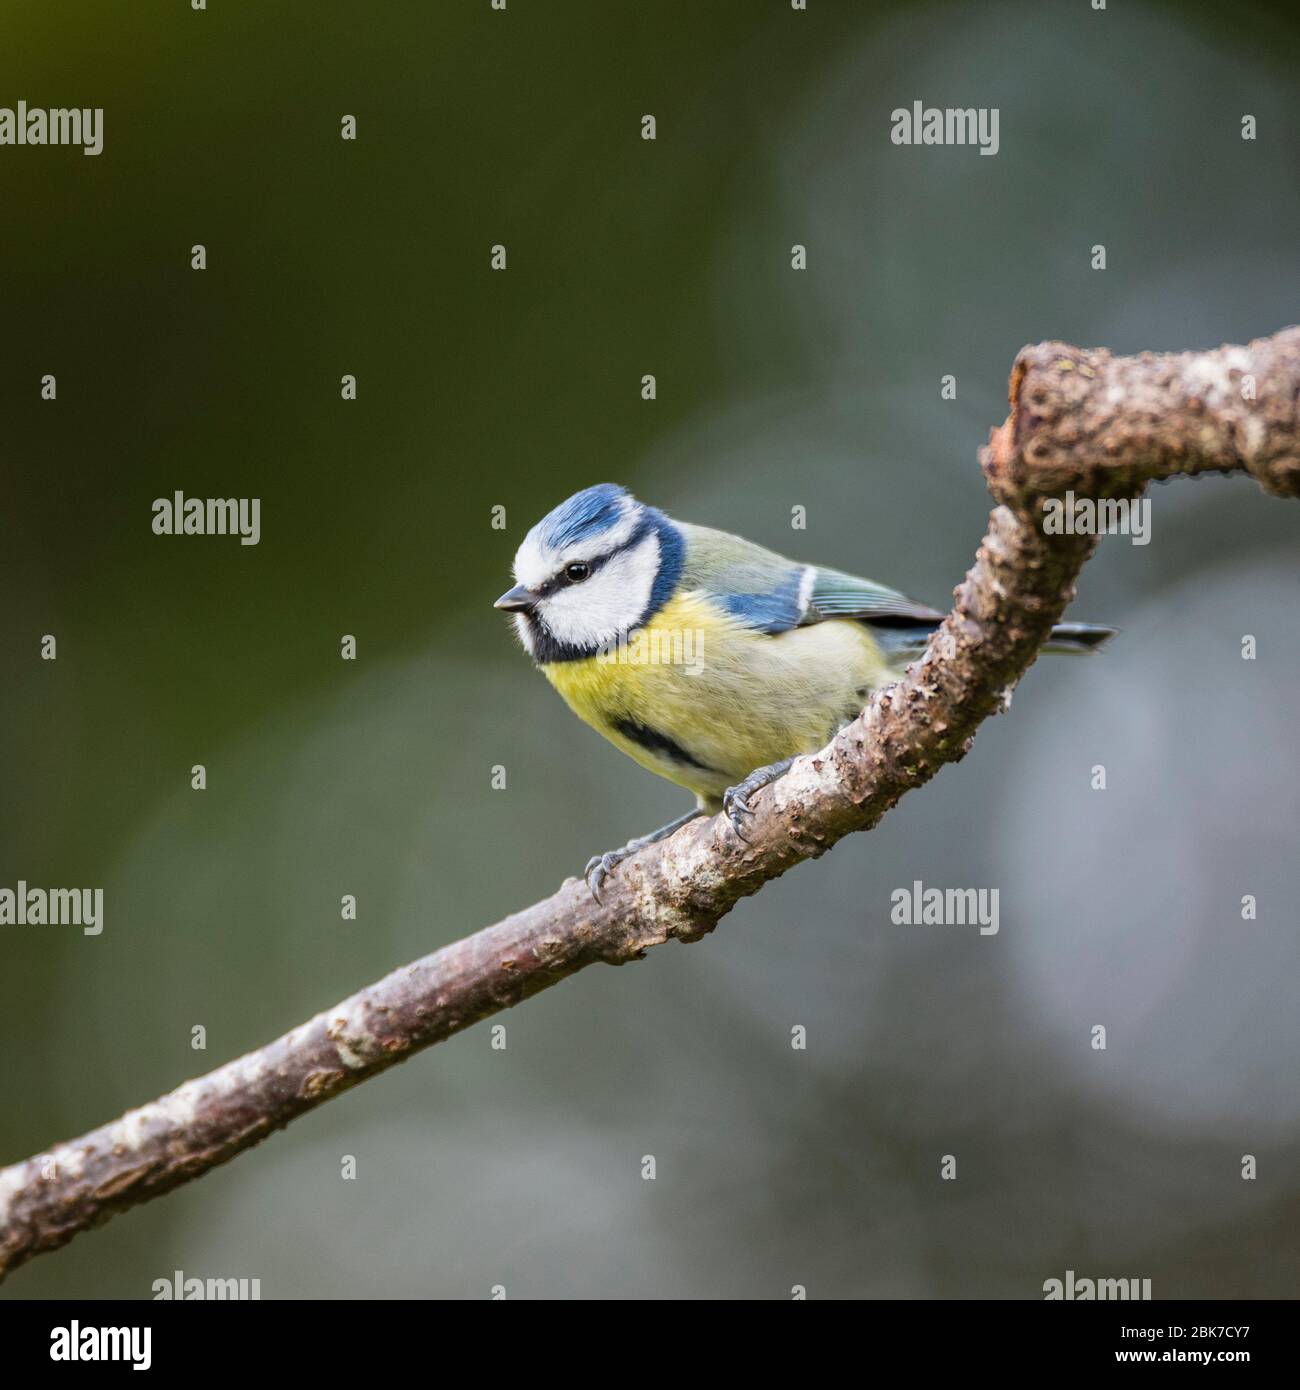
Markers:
735,806
599,867
734,800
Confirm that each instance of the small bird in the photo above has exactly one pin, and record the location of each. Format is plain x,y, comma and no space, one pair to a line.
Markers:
702,656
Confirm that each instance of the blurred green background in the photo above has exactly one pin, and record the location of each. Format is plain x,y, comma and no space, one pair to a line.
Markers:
775,388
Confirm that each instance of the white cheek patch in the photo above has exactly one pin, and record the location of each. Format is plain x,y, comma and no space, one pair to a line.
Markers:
595,612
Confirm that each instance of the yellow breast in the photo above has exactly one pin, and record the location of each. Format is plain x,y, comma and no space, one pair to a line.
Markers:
703,700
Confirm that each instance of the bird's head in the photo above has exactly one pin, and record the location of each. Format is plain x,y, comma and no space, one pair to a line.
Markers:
592,570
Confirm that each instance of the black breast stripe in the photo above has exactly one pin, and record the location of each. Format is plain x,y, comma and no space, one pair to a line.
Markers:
656,742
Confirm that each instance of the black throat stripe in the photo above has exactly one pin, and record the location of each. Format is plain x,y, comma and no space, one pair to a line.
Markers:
656,742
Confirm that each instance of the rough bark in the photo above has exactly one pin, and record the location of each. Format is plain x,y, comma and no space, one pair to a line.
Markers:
1099,425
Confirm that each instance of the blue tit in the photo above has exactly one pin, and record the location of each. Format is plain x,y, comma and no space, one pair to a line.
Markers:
703,656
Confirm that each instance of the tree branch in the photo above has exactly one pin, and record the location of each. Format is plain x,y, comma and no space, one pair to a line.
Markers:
1099,425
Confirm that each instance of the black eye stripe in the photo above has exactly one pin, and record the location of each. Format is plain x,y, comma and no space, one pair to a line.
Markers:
560,581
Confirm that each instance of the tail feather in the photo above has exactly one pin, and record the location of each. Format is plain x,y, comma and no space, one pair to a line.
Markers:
903,641
1078,637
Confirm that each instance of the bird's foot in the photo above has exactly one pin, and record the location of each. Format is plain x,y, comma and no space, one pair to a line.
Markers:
600,866
735,800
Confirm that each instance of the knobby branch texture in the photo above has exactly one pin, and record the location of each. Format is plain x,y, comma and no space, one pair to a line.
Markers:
1082,421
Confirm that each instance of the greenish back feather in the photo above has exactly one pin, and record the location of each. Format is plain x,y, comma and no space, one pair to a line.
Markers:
774,594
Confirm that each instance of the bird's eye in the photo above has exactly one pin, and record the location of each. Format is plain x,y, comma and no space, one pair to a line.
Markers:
577,572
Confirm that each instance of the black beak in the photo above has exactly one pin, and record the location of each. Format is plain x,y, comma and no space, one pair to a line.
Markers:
520,599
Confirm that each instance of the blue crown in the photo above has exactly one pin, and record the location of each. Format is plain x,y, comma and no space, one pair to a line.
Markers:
583,516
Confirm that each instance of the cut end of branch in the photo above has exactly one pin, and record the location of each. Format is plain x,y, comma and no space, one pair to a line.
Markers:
1104,426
